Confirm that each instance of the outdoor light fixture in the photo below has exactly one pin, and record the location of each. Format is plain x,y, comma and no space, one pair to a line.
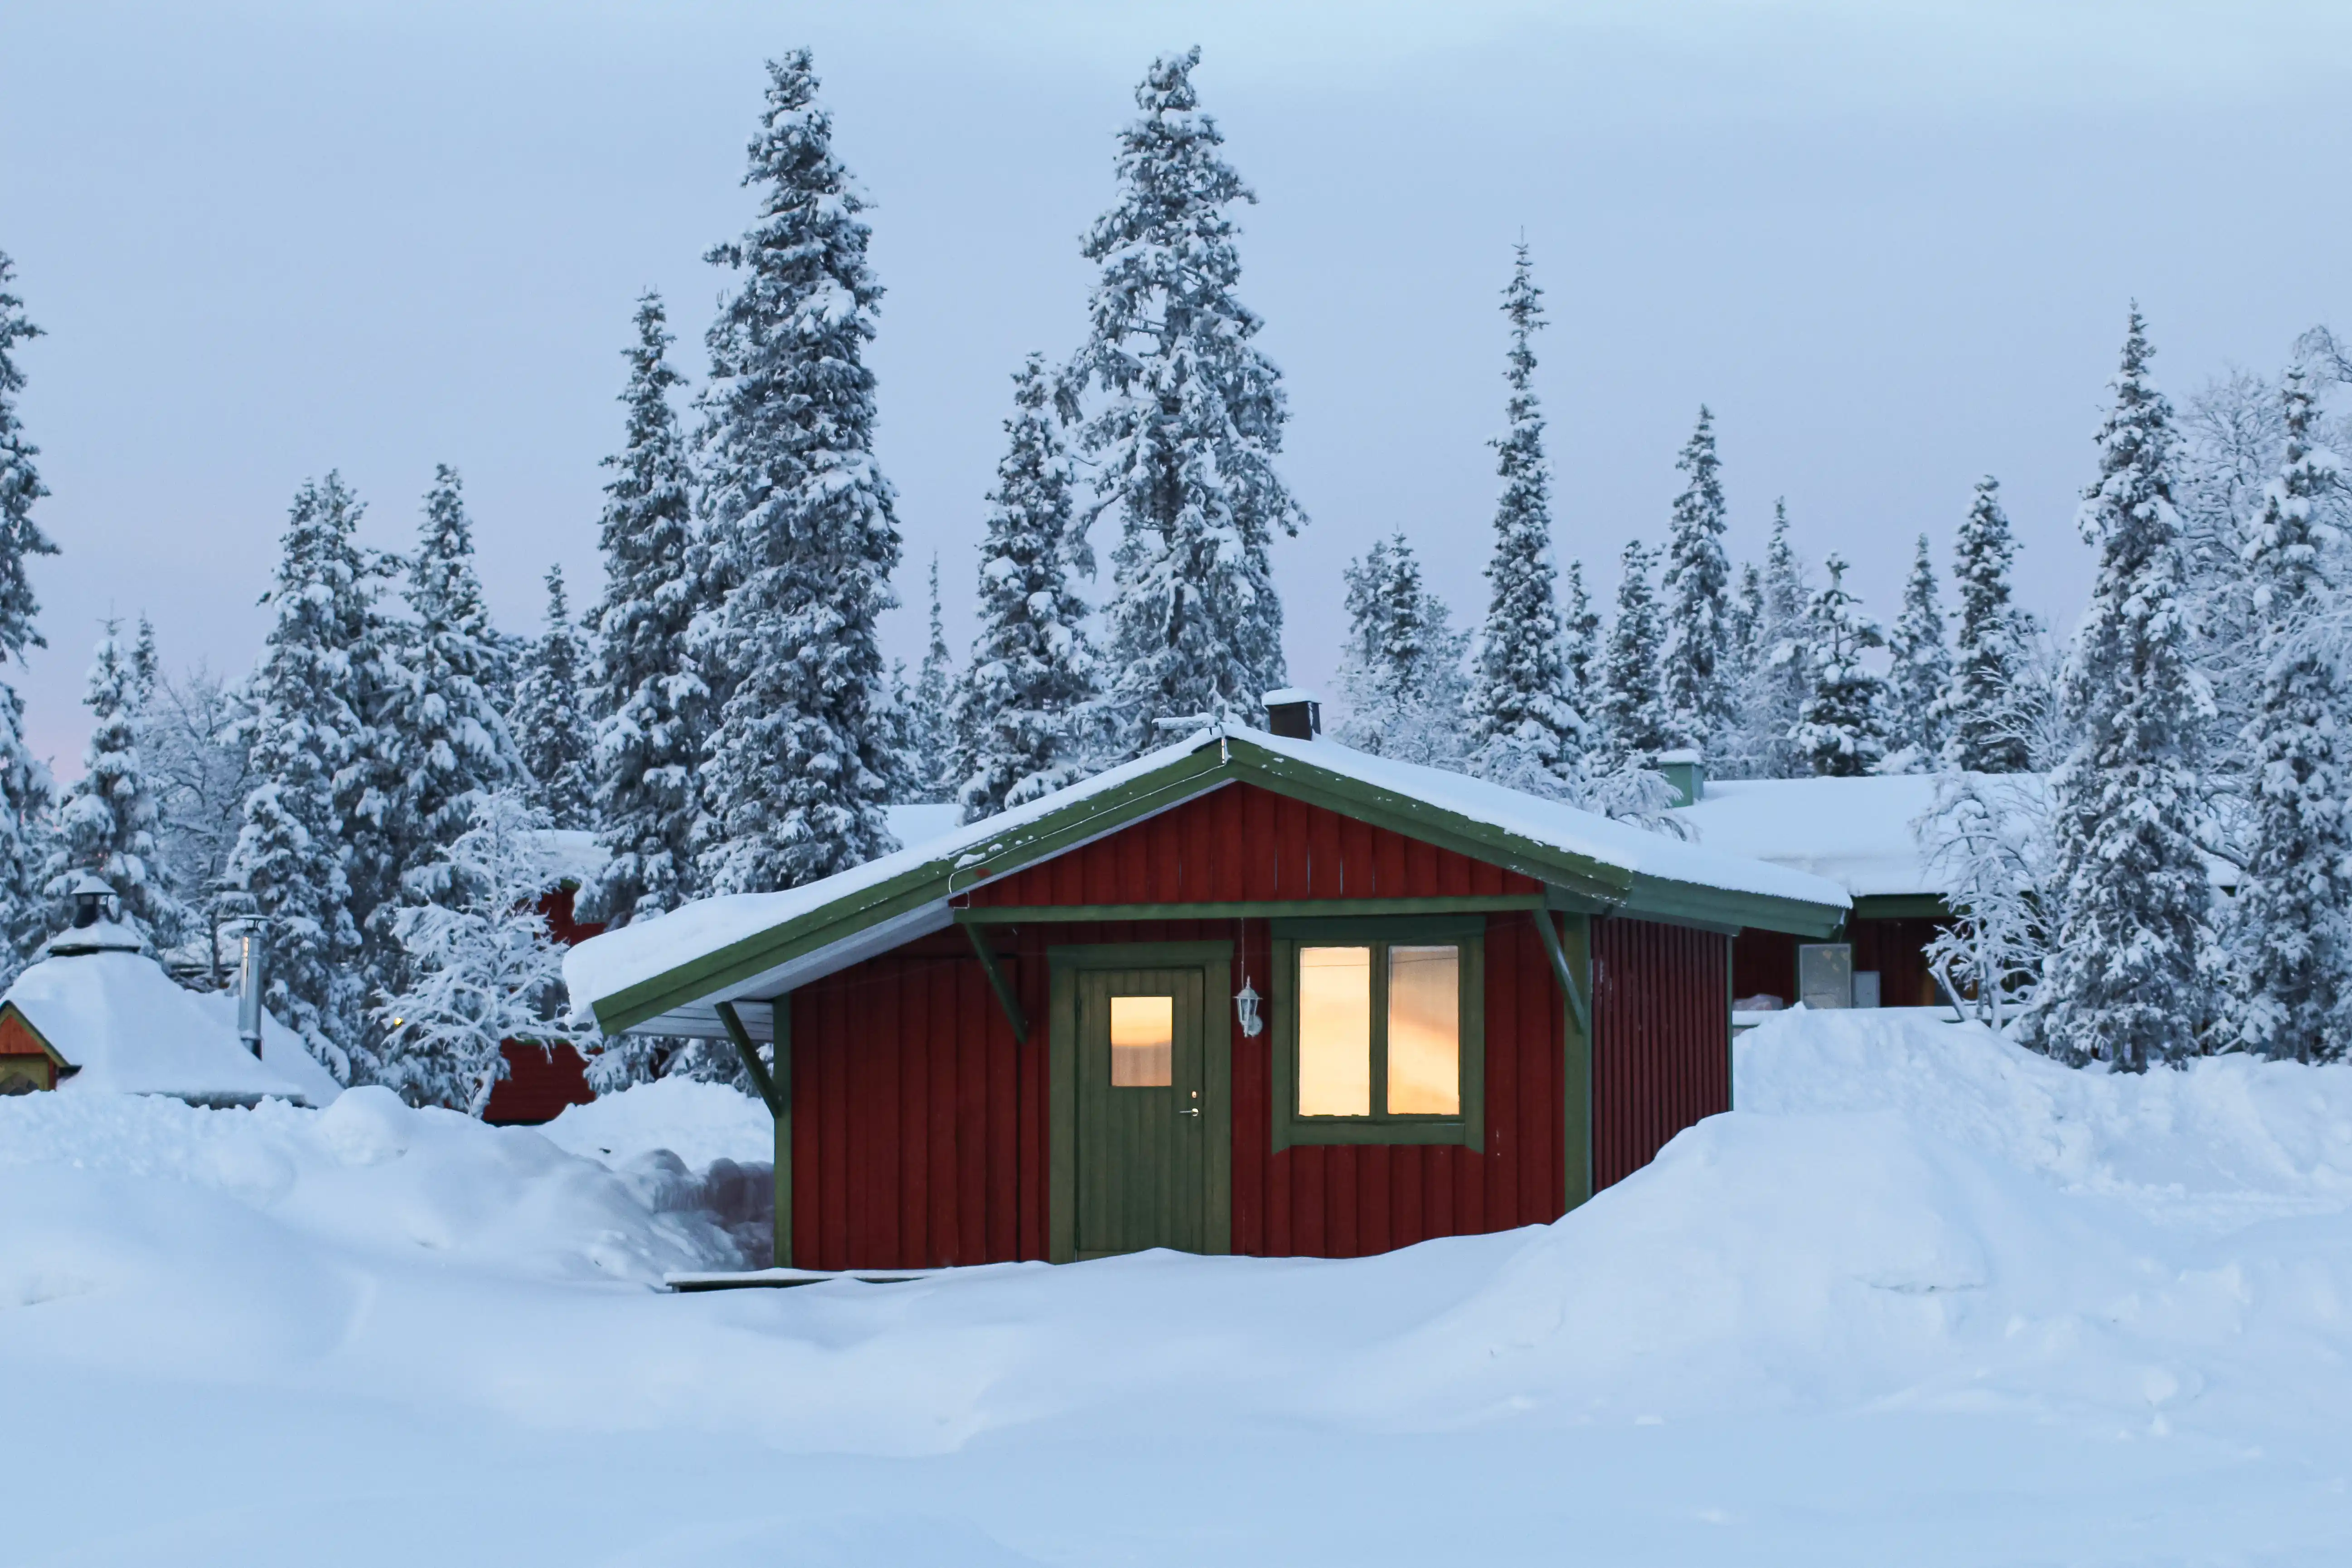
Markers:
1245,1009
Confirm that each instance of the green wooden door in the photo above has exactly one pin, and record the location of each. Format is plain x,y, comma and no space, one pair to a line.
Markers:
1142,1171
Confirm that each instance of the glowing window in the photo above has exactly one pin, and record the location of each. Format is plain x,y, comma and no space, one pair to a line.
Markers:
1424,1033
1142,1042
1335,1031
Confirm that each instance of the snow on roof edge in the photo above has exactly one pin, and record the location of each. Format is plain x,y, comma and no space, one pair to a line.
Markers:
604,965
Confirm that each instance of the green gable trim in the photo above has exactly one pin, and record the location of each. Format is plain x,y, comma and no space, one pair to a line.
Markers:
1572,883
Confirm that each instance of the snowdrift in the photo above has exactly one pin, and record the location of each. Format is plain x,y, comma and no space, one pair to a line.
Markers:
2118,1288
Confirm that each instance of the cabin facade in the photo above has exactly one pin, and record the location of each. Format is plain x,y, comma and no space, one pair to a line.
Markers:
1248,995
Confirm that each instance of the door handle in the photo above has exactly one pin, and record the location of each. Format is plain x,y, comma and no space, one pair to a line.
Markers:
1194,1109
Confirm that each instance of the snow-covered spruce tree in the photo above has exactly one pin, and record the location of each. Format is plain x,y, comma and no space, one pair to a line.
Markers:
553,722
2289,932
1400,677
483,967
452,741
2124,984
801,537
1579,647
1842,728
1633,722
1992,651
928,765
23,783
1522,730
146,669
308,729
1021,712
107,825
1697,582
653,708
1921,673
1182,421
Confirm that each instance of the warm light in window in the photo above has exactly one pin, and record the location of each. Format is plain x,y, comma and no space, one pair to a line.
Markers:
1335,1031
1142,1041
1424,1031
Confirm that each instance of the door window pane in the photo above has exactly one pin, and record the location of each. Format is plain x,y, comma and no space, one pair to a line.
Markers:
1142,1041
1335,1031
1424,1031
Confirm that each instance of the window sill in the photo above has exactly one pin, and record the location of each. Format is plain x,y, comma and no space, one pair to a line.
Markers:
1294,1132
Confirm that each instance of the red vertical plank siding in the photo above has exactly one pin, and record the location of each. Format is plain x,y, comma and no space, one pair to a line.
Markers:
922,1127
1241,843
1661,1058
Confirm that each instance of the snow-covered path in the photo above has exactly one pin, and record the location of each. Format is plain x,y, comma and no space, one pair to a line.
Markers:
1922,1298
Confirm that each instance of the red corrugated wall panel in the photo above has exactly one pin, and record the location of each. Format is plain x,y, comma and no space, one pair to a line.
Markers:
1663,1056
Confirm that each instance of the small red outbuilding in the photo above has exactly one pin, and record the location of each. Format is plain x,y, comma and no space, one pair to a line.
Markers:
1247,994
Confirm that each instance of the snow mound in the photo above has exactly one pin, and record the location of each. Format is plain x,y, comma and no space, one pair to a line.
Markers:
700,1123
257,1224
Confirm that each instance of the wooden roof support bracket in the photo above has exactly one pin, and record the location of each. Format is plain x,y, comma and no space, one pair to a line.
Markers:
999,984
765,1085
1562,972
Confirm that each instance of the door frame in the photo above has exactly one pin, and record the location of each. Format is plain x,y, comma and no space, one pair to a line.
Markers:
1215,962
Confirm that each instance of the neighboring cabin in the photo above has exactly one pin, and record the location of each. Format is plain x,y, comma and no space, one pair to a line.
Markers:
1251,993
1859,834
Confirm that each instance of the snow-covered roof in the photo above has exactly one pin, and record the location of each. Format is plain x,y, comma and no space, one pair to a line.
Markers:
916,826
907,894
131,1029
573,854
1856,832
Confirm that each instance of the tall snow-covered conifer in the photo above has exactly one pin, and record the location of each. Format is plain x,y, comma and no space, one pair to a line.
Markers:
1992,650
801,535
24,784
552,719
1841,726
1633,719
1522,730
308,729
2124,985
1921,674
1021,711
1184,420
450,738
929,766
107,825
2289,928
1697,583
653,707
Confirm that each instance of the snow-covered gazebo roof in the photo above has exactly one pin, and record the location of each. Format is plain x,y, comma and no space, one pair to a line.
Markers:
124,1027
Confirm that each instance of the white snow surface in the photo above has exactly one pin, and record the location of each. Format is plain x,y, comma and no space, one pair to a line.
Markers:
1923,1297
282,1050
606,965
697,1122
132,1029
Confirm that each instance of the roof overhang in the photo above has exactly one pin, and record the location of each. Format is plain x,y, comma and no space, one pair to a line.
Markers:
874,917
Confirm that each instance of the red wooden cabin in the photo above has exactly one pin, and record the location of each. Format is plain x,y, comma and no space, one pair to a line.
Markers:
1249,993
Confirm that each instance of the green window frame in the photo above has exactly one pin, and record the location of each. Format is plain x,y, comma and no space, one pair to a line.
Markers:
1466,932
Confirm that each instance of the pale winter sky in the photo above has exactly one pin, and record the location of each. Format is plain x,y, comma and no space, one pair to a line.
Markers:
1892,245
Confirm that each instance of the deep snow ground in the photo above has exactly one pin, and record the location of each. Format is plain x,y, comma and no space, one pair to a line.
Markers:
1923,1299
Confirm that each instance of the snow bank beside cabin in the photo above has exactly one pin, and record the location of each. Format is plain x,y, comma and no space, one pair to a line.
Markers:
1923,1297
